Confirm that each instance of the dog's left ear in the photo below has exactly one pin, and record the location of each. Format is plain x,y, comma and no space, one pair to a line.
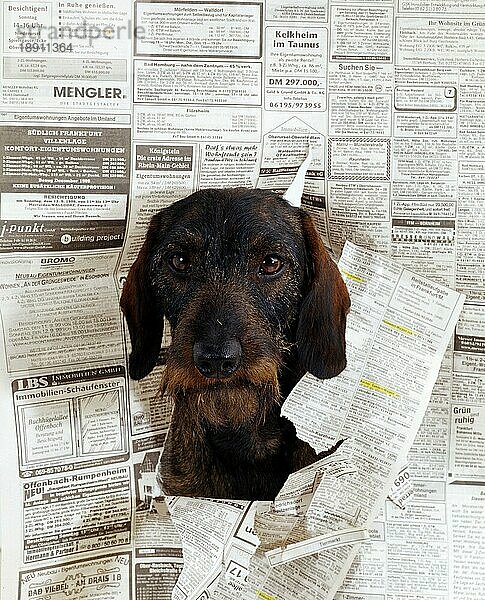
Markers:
145,322
320,337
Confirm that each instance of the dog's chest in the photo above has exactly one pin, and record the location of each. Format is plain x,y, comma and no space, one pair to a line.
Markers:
248,462
246,443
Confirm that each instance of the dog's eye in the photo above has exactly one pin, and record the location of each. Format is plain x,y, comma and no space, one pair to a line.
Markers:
271,265
179,262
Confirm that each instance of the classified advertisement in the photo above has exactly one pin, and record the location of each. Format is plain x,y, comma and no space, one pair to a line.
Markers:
107,577
68,419
59,310
66,55
109,112
63,188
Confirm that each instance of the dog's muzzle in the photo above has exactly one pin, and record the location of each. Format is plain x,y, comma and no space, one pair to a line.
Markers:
219,361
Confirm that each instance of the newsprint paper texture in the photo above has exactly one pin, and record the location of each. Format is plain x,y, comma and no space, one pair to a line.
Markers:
110,111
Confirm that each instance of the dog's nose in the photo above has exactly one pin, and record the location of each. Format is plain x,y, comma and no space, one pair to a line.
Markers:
217,361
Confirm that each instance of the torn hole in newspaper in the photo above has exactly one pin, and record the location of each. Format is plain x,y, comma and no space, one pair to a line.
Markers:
232,552
312,531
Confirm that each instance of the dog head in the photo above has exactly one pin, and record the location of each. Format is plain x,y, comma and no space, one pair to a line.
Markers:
242,278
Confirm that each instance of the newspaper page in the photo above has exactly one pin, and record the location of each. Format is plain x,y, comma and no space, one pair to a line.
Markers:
110,111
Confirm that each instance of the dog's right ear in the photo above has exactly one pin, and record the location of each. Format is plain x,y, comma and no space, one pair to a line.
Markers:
143,316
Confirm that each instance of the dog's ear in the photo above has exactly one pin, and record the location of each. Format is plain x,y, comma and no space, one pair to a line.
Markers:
320,336
143,316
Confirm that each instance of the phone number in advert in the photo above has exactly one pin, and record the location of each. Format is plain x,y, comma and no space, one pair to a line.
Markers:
294,105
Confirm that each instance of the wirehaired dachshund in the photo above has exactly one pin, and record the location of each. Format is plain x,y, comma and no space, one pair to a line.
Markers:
253,301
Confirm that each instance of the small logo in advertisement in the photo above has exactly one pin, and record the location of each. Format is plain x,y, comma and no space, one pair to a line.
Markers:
30,383
58,260
67,91
9,228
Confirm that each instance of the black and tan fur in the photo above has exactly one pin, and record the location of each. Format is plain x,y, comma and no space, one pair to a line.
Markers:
227,438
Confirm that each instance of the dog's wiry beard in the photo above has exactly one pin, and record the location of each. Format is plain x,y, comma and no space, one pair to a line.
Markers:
249,396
